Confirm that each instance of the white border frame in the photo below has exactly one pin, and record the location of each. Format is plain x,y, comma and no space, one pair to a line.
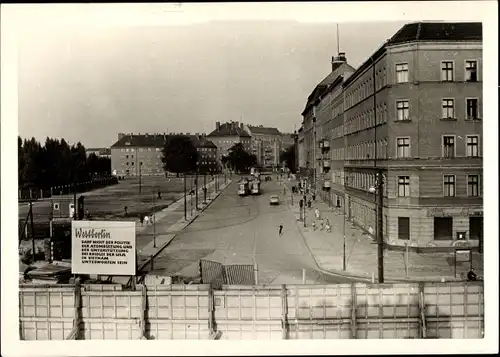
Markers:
453,71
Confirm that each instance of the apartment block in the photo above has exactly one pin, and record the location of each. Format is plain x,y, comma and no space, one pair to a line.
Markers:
413,109
141,154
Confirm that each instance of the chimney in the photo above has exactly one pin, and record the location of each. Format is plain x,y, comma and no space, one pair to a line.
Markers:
338,60
217,125
242,125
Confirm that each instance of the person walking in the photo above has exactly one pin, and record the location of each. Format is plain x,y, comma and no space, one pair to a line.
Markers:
280,229
314,196
146,220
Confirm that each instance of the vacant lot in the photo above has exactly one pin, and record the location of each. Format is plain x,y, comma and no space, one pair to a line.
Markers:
110,202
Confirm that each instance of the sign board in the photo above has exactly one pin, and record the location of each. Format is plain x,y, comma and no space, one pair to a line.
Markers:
463,255
103,247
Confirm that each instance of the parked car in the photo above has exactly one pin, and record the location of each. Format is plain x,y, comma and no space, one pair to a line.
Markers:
274,200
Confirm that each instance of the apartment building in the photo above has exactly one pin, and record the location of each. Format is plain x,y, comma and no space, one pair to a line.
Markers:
99,152
266,144
141,154
414,110
226,135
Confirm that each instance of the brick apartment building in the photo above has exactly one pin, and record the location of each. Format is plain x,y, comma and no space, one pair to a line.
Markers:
226,135
132,151
414,110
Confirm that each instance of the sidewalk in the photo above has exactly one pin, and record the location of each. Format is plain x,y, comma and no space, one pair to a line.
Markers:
169,222
361,250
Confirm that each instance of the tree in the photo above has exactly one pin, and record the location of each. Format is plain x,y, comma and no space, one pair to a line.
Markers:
288,157
179,155
239,159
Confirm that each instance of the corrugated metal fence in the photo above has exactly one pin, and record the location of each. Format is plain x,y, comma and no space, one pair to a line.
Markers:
344,311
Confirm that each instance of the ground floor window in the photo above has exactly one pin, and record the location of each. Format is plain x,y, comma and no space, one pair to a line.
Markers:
476,228
404,228
443,228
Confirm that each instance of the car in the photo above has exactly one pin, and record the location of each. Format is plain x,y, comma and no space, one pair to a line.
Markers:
274,200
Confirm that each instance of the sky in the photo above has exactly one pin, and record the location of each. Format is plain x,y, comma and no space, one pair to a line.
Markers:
87,83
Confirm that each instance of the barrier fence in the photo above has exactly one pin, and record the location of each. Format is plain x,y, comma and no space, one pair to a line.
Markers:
343,311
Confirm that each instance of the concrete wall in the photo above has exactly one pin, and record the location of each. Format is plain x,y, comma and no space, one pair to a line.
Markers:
348,311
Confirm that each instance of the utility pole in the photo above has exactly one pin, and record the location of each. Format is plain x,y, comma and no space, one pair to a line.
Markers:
32,229
205,188
343,245
185,200
154,219
196,187
380,231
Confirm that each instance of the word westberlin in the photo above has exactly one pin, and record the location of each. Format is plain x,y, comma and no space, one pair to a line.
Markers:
92,233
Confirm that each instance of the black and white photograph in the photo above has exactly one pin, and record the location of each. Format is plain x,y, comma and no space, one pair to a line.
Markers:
191,171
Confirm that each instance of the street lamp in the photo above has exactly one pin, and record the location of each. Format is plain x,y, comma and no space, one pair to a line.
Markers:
378,189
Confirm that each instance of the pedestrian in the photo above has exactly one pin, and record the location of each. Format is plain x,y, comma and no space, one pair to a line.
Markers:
314,225
141,218
317,213
309,204
126,211
314,196
159,194
471,275
281,229
146,220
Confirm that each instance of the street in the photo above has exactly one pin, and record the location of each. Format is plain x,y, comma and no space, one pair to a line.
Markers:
244,230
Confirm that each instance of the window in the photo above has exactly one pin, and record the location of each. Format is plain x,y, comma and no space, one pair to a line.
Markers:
403,109
132,163
404,228
447,71
449,185
402,73
126,156
472,185
403,147
472,108
476,228
448,108
443,228
473,146
448,146
404,186
471,71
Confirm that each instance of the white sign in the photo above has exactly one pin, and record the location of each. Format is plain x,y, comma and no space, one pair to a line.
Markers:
103,247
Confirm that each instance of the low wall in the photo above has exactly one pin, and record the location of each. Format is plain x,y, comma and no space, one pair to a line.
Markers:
343,311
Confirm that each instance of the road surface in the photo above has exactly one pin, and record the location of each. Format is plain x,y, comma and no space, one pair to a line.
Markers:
244,230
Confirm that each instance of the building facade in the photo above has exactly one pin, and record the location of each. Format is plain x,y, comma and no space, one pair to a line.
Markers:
99,152
141,154
412,110
226,135
266,145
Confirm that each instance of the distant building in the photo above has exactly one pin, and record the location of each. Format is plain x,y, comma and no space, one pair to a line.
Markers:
266,145
99,152
287,140
135,154
226,135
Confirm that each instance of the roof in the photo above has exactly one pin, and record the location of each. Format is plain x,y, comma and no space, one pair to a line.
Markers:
229,129
438,31
263,130
158,140
425,31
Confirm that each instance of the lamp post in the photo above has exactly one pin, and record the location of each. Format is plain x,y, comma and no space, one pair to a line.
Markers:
185,200
379,191
154,218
